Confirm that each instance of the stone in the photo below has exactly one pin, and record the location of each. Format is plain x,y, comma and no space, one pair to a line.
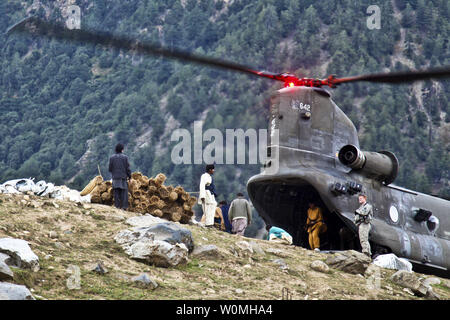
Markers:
144,221
281,263
349,261
173,234
408,291
256,248
159,253
145,280
99,268
20,253
5,272
239,291
167,231
53,234
410,280
431,281
5,259
162,244
244,246
277,252
431,295
10,291
206,251
320,266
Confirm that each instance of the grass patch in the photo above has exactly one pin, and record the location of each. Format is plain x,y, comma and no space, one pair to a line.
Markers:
25,277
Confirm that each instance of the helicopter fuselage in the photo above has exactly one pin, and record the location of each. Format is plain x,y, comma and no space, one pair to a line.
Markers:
303,166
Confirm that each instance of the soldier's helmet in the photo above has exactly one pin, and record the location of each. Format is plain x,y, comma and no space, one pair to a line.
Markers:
362,194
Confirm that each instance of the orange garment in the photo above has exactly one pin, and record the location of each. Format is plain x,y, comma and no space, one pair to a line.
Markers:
316,226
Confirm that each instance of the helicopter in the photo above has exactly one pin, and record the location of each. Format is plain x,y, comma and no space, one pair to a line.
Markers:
318,159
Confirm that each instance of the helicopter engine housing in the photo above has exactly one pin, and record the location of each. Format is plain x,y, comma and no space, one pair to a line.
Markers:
382,165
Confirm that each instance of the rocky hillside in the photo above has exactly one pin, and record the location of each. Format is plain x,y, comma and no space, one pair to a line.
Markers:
81,241
65,105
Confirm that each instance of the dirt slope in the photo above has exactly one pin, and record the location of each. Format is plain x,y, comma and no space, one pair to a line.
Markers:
65,233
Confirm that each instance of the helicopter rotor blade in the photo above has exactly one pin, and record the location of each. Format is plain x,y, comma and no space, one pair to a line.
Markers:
37,26
397,77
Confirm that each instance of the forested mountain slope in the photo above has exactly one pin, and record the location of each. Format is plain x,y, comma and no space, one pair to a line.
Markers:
64,106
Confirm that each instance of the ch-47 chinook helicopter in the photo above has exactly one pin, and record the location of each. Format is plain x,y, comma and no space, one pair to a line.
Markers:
318,159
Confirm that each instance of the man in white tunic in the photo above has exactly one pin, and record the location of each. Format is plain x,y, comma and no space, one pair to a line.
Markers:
207,195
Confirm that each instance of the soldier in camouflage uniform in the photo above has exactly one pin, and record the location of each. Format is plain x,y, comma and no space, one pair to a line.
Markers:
363,217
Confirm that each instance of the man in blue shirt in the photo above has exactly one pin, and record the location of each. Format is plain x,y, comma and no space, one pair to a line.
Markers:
278,235
224,207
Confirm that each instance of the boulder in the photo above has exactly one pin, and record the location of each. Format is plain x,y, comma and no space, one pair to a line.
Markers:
173,234
5,259
144,221
320,266
167,231
5,272
410,280
159,253
10,291
349,261
206,251
144,280
20,253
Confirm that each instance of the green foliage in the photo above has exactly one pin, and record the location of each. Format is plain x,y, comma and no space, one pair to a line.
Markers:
64,106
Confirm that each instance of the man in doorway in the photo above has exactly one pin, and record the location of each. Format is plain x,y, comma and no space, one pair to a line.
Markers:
240,214
363,217
120,172
207,195
315,226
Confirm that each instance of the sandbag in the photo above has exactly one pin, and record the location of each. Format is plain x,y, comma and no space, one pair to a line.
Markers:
391,261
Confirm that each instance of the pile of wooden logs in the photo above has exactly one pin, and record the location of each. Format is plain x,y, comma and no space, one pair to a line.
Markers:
148,195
